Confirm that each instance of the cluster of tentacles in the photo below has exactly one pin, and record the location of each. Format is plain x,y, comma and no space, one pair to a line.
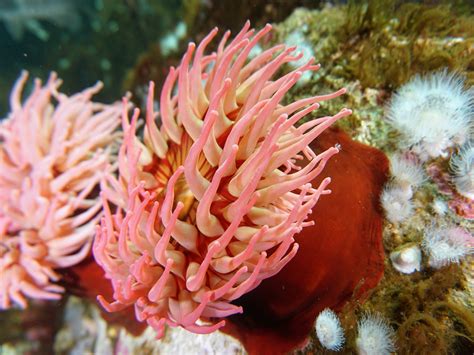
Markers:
207,205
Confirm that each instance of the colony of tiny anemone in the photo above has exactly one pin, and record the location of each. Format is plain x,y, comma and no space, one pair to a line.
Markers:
51,158
208,204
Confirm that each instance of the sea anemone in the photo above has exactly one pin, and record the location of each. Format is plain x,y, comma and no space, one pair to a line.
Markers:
280,313
462,166
407,174
329,330
208,204
446,245
396,203
432,113
51,161
374,336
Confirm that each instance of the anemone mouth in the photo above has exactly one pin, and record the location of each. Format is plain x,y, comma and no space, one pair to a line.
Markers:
162,169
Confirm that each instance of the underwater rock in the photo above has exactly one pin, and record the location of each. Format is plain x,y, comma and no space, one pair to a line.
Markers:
340,258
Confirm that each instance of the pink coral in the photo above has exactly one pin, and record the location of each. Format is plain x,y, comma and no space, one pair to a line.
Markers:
208,204
51,161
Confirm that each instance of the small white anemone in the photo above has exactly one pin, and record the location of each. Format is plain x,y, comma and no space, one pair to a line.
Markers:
329,330
446,245
406,173
375,336
439,207
433,113
396,203
462,167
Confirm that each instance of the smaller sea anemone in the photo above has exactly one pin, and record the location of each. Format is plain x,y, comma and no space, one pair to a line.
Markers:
446,245
439,207
375,336
407,173
53,151
329,330
432,113
462,166
396,204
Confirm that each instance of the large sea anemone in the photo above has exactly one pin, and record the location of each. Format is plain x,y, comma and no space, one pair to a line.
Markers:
207,204
53,150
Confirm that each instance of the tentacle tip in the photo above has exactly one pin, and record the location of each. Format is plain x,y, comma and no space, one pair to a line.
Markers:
103,302
169,262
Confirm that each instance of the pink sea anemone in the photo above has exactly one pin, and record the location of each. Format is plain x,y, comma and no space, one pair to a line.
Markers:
53,149
206,206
